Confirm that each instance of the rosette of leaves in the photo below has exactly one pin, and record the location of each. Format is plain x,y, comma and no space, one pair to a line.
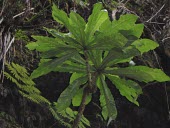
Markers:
91,51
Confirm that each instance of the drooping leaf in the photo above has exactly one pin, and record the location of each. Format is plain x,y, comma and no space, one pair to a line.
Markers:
128,88
64,100
140,73
106,100
76,101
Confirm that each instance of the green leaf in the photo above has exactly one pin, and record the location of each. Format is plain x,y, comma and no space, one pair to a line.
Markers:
137,30
125,22
140,73
64,100
54,32
128,88
85,121
95,20
77,27
113,54
71,68
75,24
96,57
144,45
70,112
60,16
49,66
138,47
57,52
64,37
78,59
75,76
76,101
107,41
43,43
126,56
106,100
117,55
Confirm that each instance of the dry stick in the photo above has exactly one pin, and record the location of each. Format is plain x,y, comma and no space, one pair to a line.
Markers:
22,13
165,88
85,93
156,13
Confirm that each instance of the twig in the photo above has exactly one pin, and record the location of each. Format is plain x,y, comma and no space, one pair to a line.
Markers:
165,88
9,45
156,13
22,13
3,7
155,23
165,38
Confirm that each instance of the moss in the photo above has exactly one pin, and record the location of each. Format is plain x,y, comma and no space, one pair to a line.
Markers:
21,35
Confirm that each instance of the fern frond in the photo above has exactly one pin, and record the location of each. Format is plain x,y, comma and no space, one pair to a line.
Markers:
26,88
30,89
20,73
40,98
58,117
11,78
29,97
35,98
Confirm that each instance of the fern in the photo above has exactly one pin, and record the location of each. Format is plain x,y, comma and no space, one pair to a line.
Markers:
26,88
59,117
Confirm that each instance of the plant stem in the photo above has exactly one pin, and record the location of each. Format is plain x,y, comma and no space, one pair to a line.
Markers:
81,109
85,93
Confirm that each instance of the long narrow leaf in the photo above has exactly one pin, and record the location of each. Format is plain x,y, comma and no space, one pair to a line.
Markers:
49,66
71,68
140,73
78,26
128,88
106,100
64,100
60,16
95,20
